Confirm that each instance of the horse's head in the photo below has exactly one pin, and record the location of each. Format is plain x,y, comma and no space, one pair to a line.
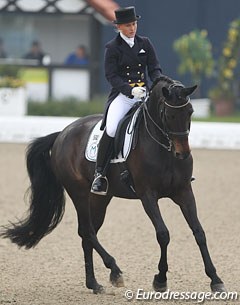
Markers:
176,111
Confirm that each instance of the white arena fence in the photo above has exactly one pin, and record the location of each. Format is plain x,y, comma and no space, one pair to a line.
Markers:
203,135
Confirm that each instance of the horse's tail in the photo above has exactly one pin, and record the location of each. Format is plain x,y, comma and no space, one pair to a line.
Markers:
46,196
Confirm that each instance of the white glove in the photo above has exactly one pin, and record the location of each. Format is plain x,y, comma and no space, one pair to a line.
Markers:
139,92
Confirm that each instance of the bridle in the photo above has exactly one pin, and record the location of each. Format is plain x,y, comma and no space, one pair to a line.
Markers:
176,133
165,131
175,106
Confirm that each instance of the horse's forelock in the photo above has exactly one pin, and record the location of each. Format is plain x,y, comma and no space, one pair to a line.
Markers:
165,81
174,86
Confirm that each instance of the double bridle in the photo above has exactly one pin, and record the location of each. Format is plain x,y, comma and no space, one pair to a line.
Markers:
164,131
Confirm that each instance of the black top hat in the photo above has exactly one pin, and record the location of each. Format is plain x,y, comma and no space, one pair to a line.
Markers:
126,15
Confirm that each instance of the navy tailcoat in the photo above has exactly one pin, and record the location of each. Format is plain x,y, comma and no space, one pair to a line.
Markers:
126,66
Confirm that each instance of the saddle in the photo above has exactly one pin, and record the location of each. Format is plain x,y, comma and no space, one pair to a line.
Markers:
126,136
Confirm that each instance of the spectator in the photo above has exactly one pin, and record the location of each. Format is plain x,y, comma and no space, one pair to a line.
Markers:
3,54
35,52
79,57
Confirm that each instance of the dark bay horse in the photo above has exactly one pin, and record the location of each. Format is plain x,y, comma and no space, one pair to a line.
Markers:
160,165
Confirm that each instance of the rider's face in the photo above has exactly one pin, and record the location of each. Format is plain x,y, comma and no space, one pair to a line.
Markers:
128,29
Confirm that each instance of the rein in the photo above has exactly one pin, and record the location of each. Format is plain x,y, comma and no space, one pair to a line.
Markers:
165,134
145,114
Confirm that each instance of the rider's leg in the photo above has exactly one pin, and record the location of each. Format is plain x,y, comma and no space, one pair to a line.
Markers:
105,152
118,108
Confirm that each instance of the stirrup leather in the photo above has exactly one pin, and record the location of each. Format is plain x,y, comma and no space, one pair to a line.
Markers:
99,185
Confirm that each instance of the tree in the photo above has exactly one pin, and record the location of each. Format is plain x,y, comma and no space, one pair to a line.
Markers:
195,54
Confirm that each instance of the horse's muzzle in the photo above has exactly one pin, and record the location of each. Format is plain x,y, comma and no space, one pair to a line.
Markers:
181,148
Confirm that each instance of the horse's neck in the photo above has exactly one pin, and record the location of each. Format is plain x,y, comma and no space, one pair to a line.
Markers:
154,103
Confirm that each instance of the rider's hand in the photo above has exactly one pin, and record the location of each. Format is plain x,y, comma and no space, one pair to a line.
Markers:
139,92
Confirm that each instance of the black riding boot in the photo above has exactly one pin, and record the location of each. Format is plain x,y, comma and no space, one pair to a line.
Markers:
104,156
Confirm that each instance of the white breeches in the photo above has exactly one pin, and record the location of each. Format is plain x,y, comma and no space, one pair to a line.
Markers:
116,111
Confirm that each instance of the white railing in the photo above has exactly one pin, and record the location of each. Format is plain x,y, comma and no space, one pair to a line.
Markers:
202,135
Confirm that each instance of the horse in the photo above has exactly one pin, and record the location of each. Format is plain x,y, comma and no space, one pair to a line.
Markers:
160,165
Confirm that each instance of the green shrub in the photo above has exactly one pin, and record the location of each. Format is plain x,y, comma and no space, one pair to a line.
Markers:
68,108
10,77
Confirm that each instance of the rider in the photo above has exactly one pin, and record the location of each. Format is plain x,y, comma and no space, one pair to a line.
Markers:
128,59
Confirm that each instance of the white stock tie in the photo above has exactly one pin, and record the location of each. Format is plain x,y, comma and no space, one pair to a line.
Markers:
129,41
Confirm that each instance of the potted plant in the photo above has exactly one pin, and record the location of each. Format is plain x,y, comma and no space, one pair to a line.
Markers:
223,98
195,54
223,95
12,91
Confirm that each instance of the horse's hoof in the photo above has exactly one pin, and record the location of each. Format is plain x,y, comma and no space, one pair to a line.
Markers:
159,287
219,287
98,289
117,281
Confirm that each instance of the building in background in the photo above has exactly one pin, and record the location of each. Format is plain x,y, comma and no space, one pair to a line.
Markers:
165,21
61,25
58,26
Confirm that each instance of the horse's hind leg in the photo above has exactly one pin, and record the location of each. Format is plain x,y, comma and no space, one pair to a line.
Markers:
89,223
98,211
151,207
186,201
91,282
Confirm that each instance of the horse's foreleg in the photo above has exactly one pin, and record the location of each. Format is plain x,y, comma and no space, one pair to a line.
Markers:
150,205
187,203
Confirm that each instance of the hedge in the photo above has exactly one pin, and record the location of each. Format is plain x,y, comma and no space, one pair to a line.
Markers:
68,107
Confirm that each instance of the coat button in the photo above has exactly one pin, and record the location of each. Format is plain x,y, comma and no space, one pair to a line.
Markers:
128,73
139,80
138,72
139,65
129,81
127,67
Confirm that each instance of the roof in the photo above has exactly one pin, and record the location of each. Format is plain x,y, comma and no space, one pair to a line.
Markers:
105,7
101,9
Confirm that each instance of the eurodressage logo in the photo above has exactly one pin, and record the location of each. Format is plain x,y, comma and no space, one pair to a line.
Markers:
93,151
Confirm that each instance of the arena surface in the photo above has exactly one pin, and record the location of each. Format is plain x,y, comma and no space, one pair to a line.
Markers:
53,272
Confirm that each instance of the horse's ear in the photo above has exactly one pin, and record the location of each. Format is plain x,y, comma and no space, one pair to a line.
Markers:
165,92
188,91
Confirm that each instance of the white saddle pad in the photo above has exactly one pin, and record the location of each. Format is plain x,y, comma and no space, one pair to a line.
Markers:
96,134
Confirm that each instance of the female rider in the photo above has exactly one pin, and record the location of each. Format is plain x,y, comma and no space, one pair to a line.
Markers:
129,58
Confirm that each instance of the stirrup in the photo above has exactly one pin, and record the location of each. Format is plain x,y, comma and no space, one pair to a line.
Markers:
99,185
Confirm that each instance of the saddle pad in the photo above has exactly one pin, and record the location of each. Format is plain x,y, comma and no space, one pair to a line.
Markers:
96,134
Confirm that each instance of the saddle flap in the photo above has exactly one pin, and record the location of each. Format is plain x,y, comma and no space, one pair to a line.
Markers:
126,127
